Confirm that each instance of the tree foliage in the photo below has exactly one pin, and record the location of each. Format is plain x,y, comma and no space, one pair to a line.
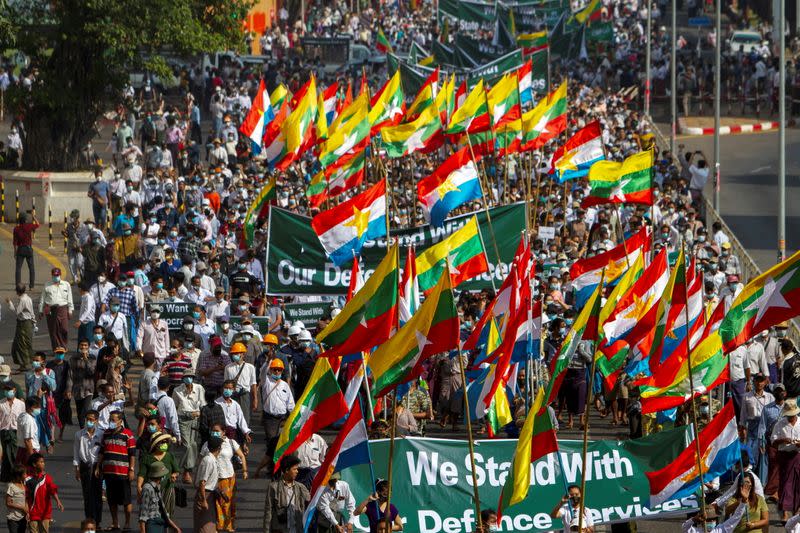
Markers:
84,51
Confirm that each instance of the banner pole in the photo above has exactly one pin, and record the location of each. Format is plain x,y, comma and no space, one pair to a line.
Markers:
622,234
586,417
698,454
485,203
392,433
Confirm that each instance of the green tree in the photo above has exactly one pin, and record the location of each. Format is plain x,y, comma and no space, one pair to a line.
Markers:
84,50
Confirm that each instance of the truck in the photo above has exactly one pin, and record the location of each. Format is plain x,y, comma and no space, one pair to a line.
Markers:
339,53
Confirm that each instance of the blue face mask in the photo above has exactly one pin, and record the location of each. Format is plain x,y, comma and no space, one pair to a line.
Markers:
36,412
152,429
227,393
89,424
36,364
159,286
196,314
98,336
59,356
10,394
216,434
236,358
56,279
188,380
115,309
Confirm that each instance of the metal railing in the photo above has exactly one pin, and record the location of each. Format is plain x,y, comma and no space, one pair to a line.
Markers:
749,267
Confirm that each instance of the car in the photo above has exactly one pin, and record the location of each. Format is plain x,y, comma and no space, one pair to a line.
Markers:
744,39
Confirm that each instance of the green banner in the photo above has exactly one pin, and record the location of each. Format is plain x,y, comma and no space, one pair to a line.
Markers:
260,323
468,15
432,481
477,51
297,264
308,313
173,312
539,71
492,71
600,32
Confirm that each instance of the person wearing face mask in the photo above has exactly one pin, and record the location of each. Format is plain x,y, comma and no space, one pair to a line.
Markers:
11,408
62,393
114,321
220,279
166,408
159,452
769,417
190,398
189,245
100,193
116,463
154,335
244,375
129,247
105,403
156,292
56,304
235,425
219,307
84,458
81,370
336,506
230,455
22,345
753,404
242,281
28,430
568,510
41,382
489,520
277,403
375,507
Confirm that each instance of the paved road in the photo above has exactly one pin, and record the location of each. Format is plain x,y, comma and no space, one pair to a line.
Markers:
749,188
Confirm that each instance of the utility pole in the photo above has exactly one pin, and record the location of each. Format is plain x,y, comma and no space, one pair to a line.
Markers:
717,98
782,133
647,82
673,87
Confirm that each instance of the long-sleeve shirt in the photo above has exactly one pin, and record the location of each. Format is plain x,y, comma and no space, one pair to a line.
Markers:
82,375
23,308
337,504
726,527
56,294
88,308
118,325
154,338
86,447
728,494
168,412
9,413
234,417
189,402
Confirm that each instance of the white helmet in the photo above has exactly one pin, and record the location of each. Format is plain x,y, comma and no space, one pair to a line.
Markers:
305,335
335,312
294,330
298,324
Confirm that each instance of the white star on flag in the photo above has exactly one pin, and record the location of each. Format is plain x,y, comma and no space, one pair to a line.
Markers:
541,126
415,142
347,144
616,191
422,342
498,111
771,296
450,263
363,321
305,412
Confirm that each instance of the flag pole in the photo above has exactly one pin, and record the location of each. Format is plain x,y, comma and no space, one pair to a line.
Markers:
468,421
586,415
698,453
622,234
536,201
389,468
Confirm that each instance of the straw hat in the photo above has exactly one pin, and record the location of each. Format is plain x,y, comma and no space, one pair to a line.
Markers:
790,408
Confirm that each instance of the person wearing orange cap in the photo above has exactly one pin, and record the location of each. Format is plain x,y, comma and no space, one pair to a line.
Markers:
277,403
244,375
269,351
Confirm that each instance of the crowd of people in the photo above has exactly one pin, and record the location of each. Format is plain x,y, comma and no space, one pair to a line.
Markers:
165,406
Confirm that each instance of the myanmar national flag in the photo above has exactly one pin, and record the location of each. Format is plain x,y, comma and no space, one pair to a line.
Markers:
317,190
537,439
532,42
504,101
629,182
388,104
347,174
585,328
321,404
369,317
424,97
545,121
464,252
278,96
382,44
342,230
769,299
433,329
260,115
352,136
590,12
473,115
454,183
349,111
422,134
258,209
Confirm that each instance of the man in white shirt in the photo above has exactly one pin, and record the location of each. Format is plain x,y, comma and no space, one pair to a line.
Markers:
154,336
219,307
568,510
311,454
101,289
105,404
756,357
740,375
277,404
189,398
11,408
166,409
234,418
113,321
243,374
28,430
84,457
336,505
56,304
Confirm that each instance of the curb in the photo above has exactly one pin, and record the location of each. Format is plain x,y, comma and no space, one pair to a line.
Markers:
727,130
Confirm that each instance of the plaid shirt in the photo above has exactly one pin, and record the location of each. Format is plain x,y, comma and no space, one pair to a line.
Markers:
187,249
127,300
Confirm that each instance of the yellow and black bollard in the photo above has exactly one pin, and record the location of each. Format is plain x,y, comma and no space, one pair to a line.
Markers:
33,207
16,203
2,200
50,226
65,232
